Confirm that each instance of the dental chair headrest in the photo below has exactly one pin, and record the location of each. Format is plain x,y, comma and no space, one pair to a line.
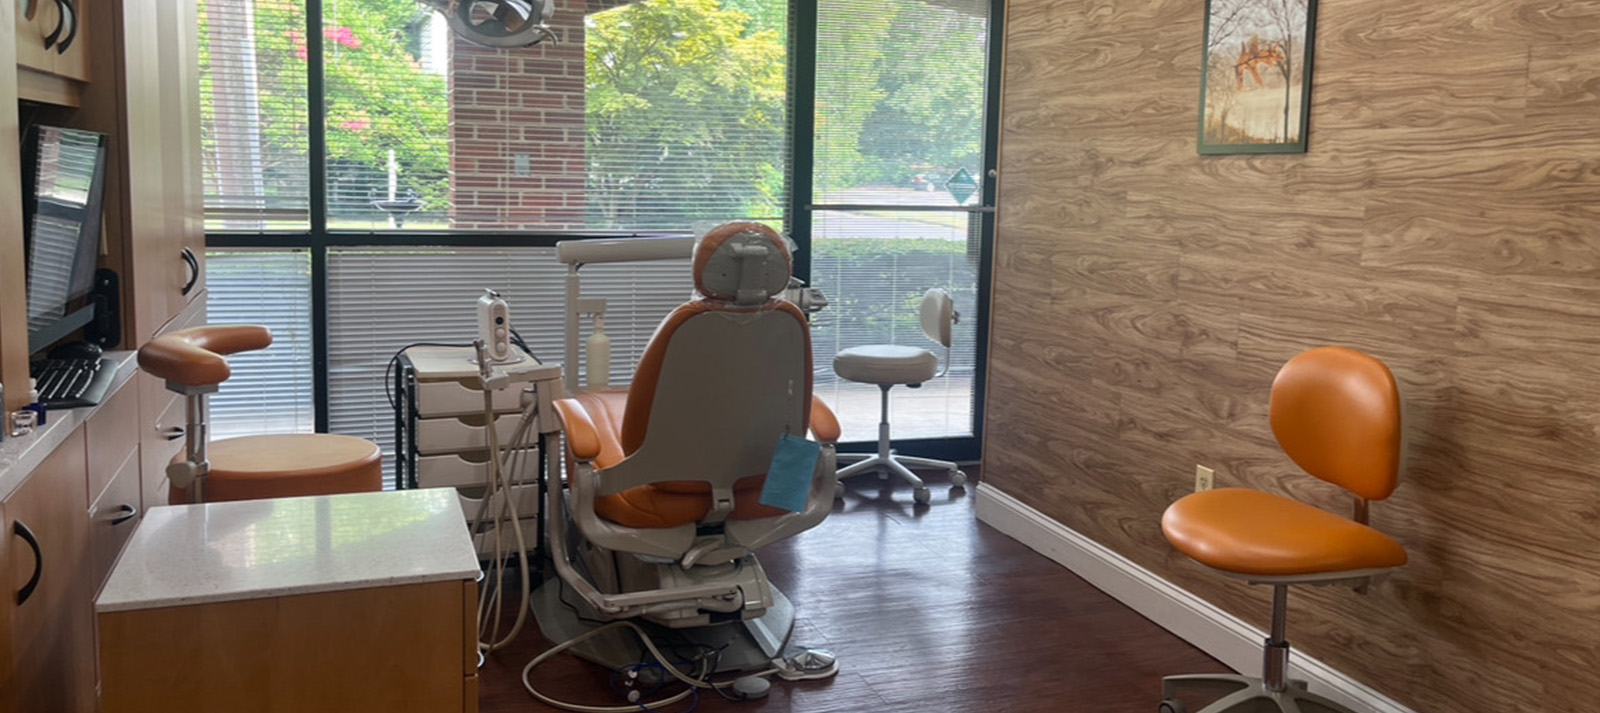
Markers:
743,263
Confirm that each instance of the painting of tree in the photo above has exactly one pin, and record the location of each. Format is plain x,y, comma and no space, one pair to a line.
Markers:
1255,88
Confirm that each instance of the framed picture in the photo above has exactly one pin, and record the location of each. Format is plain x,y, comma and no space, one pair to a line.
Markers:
1255,86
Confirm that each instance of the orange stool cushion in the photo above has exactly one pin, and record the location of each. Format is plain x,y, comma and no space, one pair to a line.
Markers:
667,504
1250,532
288,465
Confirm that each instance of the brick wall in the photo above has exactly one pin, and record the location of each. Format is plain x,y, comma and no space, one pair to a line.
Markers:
516,108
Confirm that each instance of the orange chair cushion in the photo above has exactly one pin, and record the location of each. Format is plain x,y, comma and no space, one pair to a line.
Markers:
1336,412
666,504
289,465
1249,532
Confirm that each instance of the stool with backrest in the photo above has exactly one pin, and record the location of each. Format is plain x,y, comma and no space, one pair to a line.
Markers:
891,365
192,363
1336,413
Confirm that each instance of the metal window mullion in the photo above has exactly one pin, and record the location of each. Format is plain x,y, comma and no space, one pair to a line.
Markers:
317,167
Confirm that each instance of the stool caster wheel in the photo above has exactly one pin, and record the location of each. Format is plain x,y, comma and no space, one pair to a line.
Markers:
923,496
1172,705
958,479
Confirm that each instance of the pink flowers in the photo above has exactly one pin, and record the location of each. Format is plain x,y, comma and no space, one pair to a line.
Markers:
357,125
342,36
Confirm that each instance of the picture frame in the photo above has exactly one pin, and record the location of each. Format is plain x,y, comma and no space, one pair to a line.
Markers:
1255,80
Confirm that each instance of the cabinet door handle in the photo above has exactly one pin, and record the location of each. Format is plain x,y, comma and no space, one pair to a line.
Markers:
23,532
124,514
194,270
29,9
61,23
69,12
173,434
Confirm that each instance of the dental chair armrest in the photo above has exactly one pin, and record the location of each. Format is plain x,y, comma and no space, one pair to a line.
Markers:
824,425
583,439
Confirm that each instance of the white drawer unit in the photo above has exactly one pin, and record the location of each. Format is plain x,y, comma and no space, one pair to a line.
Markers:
441,431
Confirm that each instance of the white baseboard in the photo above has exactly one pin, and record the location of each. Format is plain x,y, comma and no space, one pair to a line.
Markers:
1224,636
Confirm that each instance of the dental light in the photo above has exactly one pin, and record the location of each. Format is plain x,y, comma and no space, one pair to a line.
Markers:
503,24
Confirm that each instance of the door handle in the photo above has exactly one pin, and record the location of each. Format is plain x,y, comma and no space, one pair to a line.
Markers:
124,514
23,532
69,14
61,23
173,434
194,270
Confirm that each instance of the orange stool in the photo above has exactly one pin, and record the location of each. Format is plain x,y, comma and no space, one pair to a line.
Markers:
249,467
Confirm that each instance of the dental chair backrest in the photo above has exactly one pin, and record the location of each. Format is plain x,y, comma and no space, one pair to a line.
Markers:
724,376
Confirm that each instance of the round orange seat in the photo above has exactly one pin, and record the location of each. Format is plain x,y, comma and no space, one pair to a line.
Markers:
1249,532
288,465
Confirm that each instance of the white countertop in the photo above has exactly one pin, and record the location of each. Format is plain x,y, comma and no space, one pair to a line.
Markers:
20,456
254,549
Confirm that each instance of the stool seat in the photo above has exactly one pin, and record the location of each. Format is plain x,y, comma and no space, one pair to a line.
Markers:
886,364
289,465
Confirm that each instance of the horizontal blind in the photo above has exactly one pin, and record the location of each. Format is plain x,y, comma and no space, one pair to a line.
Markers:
874,280
253,114
271,390
380,300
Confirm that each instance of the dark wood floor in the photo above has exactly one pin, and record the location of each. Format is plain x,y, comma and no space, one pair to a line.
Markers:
928,610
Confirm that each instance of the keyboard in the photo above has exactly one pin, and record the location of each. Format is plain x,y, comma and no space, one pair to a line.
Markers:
73,383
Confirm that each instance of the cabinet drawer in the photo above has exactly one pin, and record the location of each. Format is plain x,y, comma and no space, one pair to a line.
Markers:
113,435
456,398
469,470
158,446
113,517
484,541
466,433
527,500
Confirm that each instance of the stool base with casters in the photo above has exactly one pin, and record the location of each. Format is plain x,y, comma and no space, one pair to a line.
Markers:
887,462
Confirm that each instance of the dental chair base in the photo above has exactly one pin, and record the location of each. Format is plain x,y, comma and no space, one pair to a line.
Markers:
746,645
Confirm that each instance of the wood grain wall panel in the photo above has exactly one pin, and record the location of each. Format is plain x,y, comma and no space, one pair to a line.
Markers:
1446,219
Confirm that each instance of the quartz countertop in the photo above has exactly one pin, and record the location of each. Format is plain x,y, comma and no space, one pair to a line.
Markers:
21,455
255,549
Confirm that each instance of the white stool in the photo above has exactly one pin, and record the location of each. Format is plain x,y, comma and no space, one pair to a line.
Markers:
889,365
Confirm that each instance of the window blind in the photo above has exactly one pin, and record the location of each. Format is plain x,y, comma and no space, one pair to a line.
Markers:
900,110
380,300
270,390
253,114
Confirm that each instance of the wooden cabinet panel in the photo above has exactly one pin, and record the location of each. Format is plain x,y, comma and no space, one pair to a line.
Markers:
52,49
35,21
112,435
310,653
52,641
112,519
13,315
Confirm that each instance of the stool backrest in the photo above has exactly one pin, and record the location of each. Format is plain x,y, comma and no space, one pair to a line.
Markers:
1336,413
194,356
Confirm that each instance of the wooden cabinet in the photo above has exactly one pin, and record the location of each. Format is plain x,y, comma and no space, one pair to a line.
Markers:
52,39
52,627
163,206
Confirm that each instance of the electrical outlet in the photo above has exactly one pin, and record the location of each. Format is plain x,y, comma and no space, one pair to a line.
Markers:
1202,478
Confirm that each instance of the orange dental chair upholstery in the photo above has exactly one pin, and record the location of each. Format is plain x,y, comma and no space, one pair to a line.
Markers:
1336,413
248,467
665,478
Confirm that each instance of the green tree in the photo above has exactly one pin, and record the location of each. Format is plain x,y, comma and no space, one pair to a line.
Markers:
849,67
932,79
683,98
376,96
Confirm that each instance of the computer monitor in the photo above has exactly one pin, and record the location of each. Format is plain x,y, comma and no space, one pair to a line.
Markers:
63,184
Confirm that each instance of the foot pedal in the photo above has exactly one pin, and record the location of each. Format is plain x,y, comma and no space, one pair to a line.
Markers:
807,664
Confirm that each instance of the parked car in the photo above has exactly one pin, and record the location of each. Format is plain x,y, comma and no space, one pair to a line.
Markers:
929,180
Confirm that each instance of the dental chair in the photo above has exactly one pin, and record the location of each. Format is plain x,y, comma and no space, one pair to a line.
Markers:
193,363
662,512
1336,413
891,365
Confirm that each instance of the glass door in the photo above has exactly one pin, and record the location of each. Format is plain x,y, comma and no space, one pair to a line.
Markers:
900,203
